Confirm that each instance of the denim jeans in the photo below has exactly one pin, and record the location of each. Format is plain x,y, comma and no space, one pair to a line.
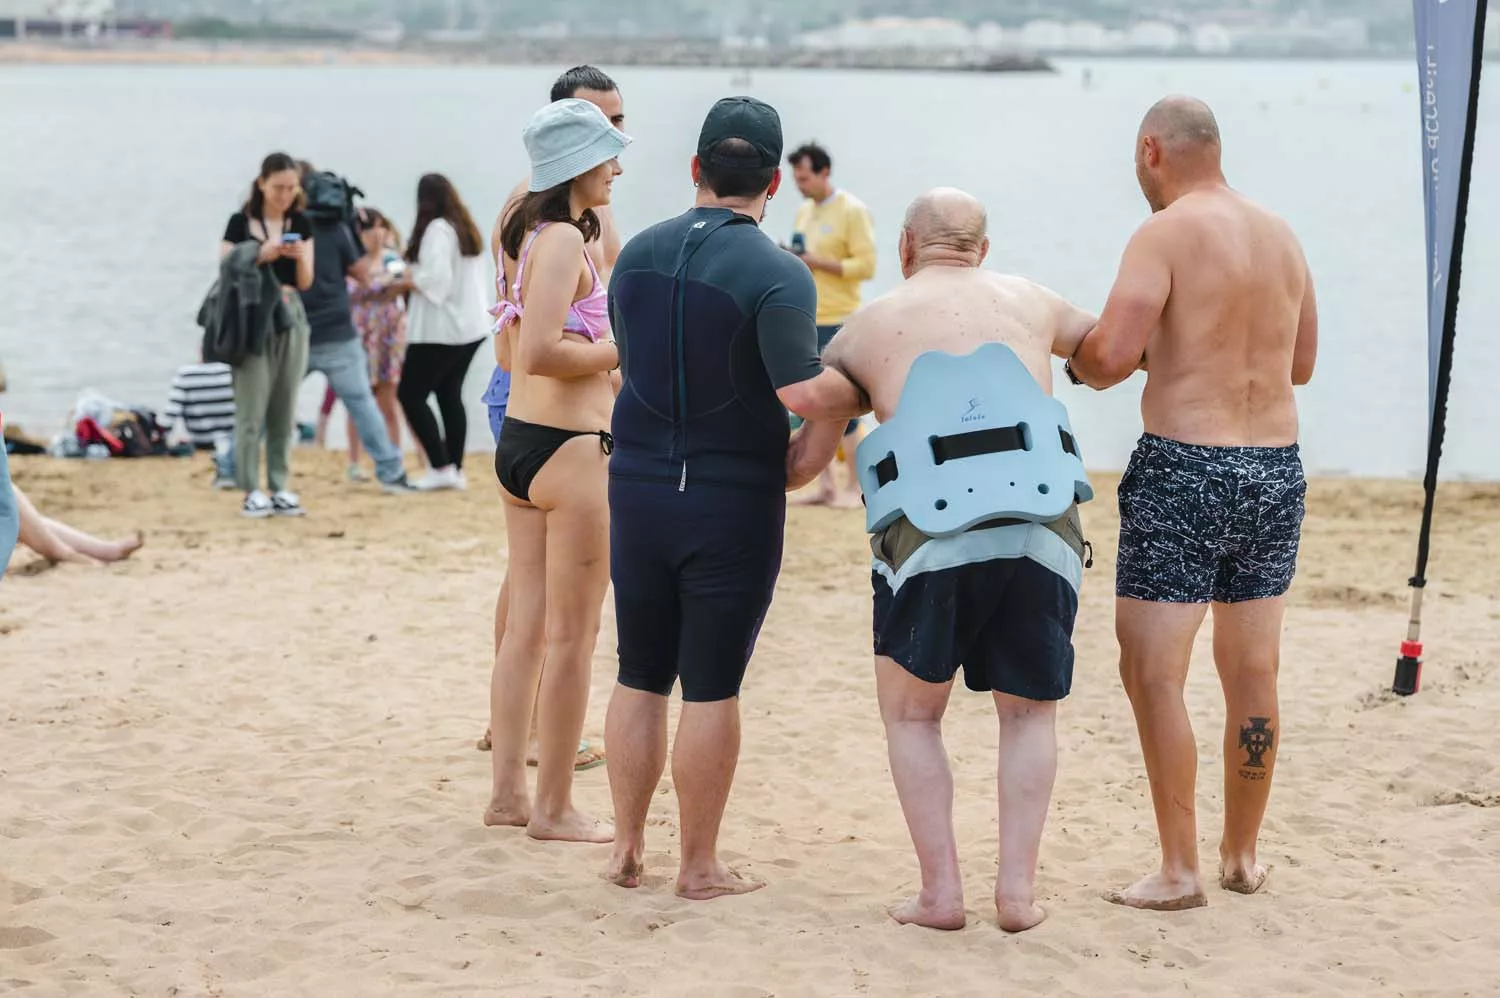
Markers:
348,373
10,515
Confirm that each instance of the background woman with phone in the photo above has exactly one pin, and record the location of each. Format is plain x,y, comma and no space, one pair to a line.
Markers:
265,385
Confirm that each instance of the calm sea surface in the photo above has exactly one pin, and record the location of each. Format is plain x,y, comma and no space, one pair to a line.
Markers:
115,183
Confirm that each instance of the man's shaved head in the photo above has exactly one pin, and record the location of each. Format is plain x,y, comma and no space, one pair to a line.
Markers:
1178,146
947,217
1182,123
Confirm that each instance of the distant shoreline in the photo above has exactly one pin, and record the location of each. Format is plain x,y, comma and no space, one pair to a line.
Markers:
655,53
686,54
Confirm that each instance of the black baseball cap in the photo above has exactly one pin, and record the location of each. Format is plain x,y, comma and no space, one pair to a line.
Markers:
754,121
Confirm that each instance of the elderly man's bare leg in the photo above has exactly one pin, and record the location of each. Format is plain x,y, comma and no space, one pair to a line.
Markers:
1027,770
1247,649
1156,642
913,714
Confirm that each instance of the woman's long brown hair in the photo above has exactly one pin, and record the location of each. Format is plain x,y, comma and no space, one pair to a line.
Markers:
436,198
536,207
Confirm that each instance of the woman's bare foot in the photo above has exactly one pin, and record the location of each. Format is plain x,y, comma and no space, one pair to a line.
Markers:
570,826
1158,892
625,867
513,811
1018,916
932,911
483,744
1244,880
716,883
125,548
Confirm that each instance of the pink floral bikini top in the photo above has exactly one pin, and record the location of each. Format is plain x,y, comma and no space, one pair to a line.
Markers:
588,316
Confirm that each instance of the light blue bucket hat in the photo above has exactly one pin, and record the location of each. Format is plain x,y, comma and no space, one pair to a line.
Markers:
567,139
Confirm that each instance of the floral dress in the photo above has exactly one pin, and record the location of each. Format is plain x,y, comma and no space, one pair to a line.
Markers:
382,327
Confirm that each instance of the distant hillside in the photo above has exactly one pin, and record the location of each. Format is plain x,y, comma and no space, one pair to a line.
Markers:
712,17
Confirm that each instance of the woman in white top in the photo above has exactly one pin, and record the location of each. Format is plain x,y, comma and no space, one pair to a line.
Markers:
447,319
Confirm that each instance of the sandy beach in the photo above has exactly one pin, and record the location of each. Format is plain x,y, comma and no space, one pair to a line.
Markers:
243,764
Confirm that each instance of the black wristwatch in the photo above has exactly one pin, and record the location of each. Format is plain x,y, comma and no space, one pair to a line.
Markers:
1068,370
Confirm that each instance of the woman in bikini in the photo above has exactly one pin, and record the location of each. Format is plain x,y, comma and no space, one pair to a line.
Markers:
552,463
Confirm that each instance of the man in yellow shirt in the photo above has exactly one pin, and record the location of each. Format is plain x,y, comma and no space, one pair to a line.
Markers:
835,237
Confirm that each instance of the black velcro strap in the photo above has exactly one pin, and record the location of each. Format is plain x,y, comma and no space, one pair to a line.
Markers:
1068,444
885,471
961,445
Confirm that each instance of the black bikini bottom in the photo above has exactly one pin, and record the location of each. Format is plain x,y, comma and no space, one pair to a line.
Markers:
524,448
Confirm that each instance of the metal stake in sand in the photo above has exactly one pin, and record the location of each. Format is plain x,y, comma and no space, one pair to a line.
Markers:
1450,50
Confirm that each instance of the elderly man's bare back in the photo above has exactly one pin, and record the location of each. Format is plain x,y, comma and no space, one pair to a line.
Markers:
953,310
997,601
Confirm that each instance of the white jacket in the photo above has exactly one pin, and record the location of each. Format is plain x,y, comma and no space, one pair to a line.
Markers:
449,305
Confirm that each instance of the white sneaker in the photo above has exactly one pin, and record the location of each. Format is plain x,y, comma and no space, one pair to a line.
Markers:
257,506
287,504
440,478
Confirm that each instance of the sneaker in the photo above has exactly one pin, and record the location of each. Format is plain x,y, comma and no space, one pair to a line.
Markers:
358,474
286,504
223,483
257,506
398,486
440,478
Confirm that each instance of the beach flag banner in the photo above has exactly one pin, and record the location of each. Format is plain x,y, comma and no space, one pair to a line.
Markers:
1450,47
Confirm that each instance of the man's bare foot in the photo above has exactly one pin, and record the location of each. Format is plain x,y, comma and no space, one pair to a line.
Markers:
945,913
570,826
822,497
1018,916
717,883
508,811
625,867
1243,881
847,500
1158,892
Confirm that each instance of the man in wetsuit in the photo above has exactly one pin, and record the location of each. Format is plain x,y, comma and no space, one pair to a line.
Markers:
1214,290
716,330
998,598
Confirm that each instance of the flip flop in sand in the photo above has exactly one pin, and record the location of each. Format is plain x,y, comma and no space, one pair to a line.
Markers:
588,756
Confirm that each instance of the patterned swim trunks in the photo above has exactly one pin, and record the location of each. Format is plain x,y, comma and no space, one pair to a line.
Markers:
1201,524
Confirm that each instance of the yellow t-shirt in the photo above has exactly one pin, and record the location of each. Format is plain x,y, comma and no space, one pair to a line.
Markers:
838,228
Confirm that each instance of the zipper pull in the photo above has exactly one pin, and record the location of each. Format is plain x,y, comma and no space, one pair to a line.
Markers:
682,484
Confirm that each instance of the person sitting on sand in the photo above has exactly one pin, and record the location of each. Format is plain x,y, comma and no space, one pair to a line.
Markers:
1215,290
968,570
10,513
57,542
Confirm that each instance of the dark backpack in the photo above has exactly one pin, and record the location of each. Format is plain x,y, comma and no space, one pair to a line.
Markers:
330,199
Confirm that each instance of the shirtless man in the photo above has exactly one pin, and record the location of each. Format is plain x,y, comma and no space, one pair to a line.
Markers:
593,85
1215,291
998,599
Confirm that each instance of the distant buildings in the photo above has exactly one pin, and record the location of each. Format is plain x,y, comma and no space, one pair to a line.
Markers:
1241,32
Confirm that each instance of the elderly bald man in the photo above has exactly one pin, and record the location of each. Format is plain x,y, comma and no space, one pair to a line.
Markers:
1216,292
999,597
